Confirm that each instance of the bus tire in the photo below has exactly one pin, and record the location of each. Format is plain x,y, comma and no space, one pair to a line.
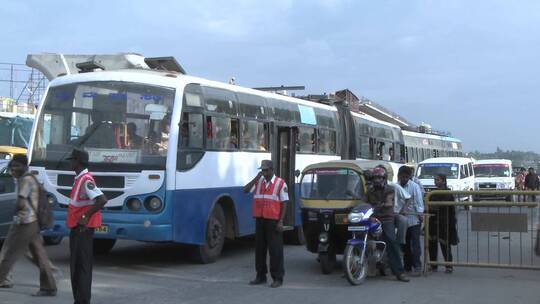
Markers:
215,238
103,246
295,236
52,240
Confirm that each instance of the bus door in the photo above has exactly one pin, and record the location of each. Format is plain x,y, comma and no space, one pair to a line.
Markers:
283,156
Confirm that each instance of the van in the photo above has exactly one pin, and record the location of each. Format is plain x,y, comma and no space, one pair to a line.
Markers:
494,174
459,171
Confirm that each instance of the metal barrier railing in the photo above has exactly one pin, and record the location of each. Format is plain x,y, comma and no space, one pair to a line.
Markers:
494,234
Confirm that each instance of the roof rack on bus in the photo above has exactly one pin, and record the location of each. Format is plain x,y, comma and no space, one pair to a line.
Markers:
281,90
53,65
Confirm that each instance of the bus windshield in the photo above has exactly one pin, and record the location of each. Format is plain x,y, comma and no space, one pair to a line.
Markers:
492,170
429,171
122,125
331,184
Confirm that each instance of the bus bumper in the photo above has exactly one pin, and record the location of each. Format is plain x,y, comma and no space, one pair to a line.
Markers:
115,226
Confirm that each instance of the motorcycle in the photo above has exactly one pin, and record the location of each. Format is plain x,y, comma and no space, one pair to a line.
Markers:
364,252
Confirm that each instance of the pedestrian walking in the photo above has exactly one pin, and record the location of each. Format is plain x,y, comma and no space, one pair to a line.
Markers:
532,182
442,225
520,183
382,197
269,208
412,251
24,233
57,272
86,201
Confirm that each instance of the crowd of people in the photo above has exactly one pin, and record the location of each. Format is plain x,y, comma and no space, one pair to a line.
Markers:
398,206
527,180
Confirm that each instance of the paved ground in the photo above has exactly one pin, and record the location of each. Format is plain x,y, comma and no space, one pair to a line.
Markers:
161,273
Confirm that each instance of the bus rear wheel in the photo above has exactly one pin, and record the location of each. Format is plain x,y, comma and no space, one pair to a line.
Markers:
215,238
103,246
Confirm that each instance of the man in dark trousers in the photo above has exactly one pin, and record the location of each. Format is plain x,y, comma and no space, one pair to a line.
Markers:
532,182
83,217
24,232
381,196
270,198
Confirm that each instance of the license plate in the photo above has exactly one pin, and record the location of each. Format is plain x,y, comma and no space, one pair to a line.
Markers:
102,229
357,228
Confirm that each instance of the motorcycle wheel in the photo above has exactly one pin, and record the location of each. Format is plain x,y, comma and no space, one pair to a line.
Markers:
327,261
355,272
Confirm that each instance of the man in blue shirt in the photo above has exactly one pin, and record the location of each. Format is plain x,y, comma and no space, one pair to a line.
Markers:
412,210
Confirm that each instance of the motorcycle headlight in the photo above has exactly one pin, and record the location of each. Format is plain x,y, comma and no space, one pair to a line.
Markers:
355,217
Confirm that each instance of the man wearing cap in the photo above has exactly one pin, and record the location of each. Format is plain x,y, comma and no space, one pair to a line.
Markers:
86,201
269,207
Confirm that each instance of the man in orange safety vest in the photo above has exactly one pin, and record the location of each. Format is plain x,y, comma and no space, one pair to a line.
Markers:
270,198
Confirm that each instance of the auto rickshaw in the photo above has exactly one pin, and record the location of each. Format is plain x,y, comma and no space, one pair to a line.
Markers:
328,192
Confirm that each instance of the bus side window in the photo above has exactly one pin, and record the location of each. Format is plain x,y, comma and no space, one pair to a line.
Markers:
191,131
306,140
327,141
222,133
254,136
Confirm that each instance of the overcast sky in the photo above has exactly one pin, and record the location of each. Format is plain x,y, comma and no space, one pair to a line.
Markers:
469,67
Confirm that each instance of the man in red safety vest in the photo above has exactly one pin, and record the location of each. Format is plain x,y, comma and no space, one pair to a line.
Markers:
270,198
86,201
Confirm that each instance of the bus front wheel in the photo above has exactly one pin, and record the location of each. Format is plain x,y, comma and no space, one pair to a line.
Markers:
103,246
215,238
52,240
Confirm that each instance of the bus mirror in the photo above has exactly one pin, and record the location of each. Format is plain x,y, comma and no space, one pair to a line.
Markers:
297,173
157,112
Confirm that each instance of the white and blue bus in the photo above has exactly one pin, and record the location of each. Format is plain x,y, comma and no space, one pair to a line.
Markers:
172,152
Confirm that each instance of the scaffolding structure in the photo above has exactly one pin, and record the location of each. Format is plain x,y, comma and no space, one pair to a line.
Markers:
21,84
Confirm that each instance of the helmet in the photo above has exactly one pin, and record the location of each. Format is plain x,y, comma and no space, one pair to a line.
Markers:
378,172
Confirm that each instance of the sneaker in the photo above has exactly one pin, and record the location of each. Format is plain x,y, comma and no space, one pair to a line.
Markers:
276,284
402,277
45,293
258,281
449,270
6,285
416,272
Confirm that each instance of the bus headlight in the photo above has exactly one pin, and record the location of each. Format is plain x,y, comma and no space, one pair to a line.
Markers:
134,204
153,203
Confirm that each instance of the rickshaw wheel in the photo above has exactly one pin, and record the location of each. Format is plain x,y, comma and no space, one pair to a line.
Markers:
327,261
